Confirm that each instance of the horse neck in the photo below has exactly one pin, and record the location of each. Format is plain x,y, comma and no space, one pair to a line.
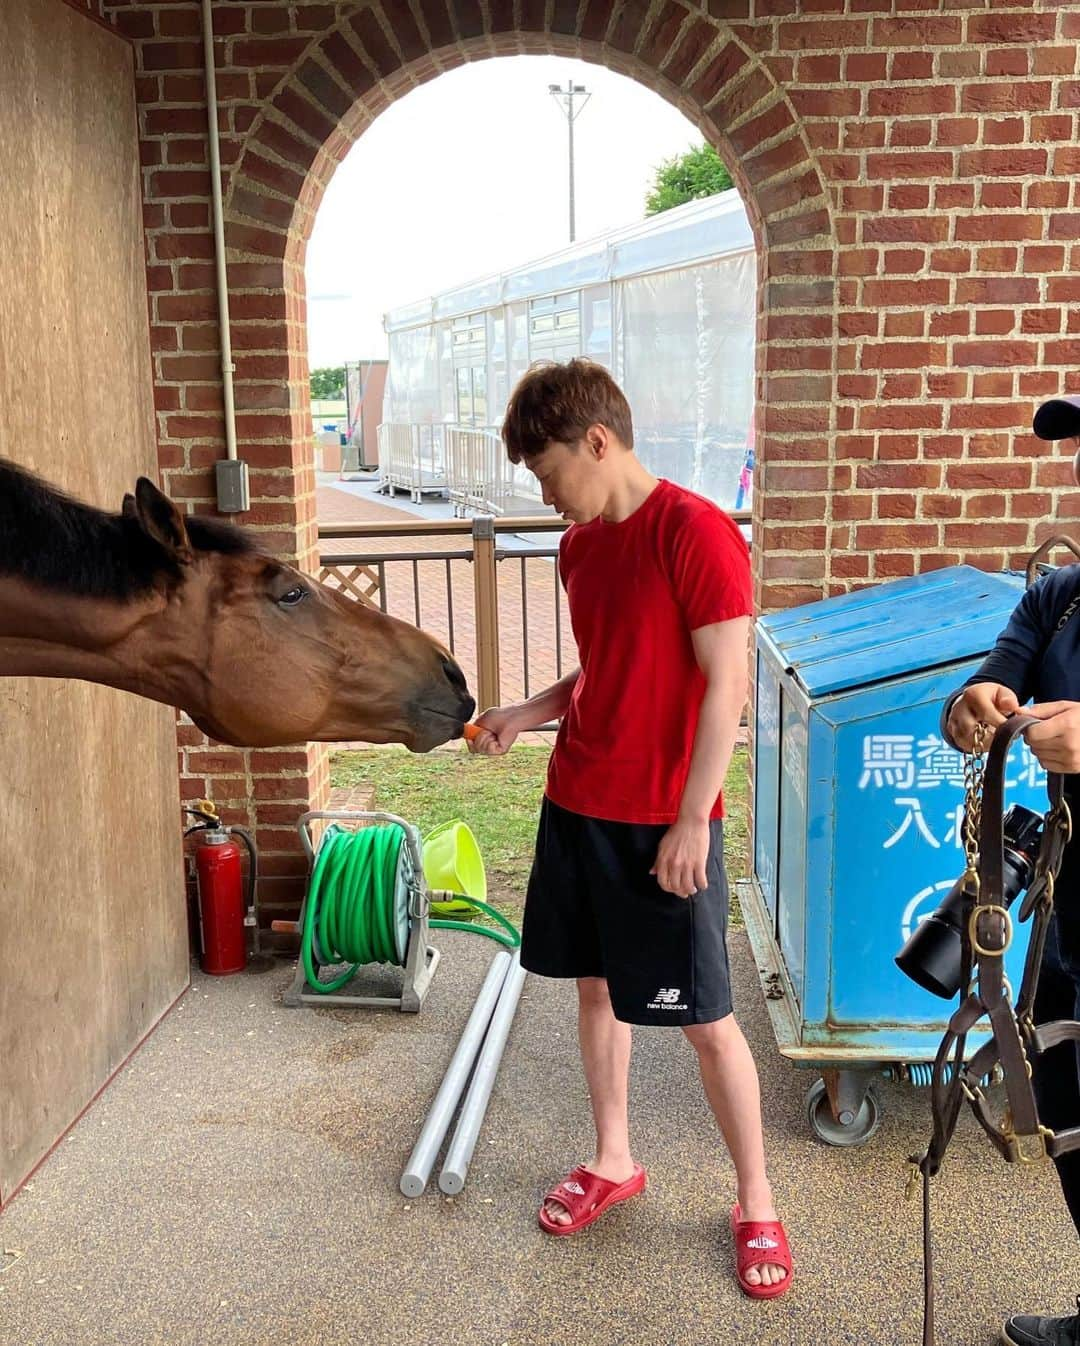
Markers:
48,634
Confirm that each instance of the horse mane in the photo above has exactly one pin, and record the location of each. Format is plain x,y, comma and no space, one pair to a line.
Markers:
48,538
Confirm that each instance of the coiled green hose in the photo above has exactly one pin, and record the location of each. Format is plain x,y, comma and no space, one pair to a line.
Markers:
351,906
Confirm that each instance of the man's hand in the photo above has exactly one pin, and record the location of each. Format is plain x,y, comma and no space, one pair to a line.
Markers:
681,858
1056,743
986,703
498,733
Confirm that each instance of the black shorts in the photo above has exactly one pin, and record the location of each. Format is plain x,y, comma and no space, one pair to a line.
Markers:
594,910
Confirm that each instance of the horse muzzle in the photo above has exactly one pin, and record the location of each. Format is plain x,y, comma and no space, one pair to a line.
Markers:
437,721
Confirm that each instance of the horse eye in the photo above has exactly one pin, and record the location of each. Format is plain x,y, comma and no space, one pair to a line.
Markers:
290,599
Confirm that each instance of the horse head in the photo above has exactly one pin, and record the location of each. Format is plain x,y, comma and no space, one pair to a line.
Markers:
190,611
284,658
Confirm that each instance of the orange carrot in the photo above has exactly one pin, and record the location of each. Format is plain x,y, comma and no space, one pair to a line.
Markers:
470,732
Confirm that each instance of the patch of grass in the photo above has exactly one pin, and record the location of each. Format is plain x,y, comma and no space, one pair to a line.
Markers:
499,798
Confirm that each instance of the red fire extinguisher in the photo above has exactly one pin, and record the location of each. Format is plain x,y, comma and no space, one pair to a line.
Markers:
221,902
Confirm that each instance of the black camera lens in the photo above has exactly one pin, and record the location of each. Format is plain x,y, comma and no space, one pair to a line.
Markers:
933,953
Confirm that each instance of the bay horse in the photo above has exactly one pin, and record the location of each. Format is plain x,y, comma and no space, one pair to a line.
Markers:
189,611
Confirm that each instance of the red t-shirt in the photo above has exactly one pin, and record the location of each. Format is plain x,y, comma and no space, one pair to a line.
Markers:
637,589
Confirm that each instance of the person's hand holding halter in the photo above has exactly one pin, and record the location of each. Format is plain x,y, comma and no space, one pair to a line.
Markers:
1055,743
987,703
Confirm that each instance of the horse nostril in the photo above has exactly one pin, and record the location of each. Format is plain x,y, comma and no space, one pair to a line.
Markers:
454,675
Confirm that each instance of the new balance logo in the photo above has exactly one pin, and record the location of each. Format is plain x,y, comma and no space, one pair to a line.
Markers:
762,1243
667,998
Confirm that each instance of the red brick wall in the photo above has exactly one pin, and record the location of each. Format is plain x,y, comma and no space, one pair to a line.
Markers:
910,174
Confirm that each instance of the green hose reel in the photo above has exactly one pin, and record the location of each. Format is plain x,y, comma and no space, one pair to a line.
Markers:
353,905
368,903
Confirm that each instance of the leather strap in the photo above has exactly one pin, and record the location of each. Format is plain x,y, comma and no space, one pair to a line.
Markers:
986,936
1052,1035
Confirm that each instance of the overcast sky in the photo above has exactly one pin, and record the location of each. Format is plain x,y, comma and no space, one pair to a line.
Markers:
467,175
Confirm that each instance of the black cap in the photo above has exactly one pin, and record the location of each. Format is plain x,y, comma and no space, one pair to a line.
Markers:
1058,419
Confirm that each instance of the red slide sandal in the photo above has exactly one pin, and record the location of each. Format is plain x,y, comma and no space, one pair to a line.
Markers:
757,1242
586,1196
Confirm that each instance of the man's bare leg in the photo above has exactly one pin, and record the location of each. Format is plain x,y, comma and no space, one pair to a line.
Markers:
731,1086
605,1055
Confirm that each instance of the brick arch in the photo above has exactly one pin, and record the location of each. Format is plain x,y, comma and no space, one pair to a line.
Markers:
344,81
350,74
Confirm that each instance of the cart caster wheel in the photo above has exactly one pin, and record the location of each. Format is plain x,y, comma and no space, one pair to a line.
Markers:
855,1132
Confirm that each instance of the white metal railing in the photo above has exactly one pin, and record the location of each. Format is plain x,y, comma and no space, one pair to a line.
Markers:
478,473
523,485
412,458
467,463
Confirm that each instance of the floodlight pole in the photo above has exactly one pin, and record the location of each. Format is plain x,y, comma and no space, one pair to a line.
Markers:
565,98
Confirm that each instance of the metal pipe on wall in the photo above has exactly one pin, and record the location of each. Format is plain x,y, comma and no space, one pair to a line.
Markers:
232,482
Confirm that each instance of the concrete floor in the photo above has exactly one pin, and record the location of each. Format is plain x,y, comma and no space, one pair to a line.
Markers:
237,1184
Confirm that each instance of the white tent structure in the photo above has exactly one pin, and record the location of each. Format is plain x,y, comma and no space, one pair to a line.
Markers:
668,305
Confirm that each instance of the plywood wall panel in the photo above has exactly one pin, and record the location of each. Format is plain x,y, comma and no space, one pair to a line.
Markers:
93,945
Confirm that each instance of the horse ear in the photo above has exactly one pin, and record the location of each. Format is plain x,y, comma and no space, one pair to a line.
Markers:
162,520
127,509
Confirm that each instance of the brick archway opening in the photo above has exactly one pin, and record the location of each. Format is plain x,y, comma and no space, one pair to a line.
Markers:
280,167
319,112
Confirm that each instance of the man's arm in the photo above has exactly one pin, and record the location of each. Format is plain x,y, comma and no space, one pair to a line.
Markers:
502,724
1018,650
1005,678
720,650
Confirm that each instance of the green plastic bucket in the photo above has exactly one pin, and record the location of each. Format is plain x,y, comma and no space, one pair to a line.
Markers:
452,861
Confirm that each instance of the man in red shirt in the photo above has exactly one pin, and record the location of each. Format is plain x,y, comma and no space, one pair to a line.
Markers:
628,893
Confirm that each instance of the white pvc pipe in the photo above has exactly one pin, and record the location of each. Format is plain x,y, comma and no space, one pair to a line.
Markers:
456,1168
219,230
422,1160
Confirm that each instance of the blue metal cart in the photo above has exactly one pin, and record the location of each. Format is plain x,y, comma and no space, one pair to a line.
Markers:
857,834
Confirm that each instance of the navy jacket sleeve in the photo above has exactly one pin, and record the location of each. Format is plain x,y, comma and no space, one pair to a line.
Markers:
1015,658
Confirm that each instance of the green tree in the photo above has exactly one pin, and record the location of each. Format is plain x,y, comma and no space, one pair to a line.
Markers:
328,384
697,173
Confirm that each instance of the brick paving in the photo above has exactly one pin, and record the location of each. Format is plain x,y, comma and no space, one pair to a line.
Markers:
360,797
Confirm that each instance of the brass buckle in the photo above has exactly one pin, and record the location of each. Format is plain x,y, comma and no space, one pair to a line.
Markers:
973,920
1028,1149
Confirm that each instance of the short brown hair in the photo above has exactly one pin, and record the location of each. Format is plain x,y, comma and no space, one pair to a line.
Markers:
559,402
